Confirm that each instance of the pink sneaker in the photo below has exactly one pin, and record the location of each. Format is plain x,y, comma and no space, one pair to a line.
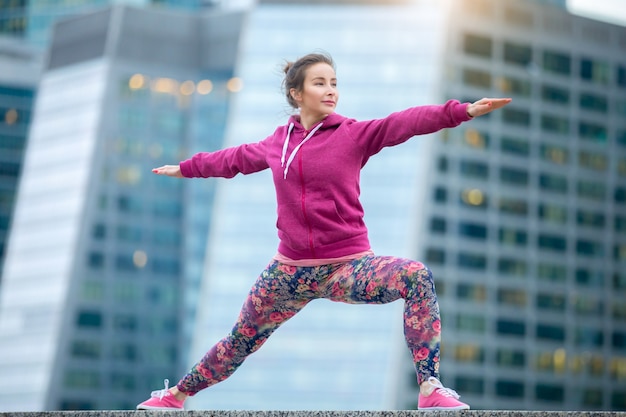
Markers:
440,398
162,400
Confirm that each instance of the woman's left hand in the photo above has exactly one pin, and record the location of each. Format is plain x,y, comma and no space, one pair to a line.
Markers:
486,105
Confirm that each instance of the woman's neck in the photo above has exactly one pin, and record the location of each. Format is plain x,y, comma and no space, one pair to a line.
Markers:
310,121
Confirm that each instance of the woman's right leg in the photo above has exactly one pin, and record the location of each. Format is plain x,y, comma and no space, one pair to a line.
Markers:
274,298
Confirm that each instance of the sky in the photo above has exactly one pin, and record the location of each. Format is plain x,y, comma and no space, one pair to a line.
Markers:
613,11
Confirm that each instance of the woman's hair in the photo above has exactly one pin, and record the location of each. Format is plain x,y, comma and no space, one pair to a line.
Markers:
295,72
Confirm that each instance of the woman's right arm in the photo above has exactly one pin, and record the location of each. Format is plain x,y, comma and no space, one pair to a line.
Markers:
225,163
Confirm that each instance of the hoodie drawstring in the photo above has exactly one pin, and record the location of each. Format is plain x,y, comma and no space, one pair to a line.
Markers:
295,151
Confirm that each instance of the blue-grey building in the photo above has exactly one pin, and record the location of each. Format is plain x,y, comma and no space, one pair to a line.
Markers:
104,257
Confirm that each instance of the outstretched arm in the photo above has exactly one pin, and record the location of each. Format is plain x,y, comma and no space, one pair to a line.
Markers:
169,170
486,105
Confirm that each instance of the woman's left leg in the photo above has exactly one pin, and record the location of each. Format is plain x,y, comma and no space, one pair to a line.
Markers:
383,279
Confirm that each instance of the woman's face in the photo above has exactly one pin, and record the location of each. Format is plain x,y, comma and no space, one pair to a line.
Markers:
319,93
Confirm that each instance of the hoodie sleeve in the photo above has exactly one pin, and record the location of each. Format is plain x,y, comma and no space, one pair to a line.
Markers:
226,163
399,127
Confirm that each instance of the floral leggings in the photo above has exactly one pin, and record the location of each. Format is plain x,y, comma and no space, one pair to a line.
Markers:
282,291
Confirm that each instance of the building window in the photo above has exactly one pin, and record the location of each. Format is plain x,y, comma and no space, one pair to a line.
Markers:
590,219
124,351
619,252
621,76
556,95
95,260
473,230
438,225
620,224
99,231
511,327
471,292
92,290
621,167
470,385
89,319
590,277
552,393
512,297
440,195
435,256
474,198
518,17
510,358
474,169
551,272
618,400
555,124
469,353
593,160
513,146
513,206
552,242
552,213
619,281
125,322
476,139
513,237
557,63
88,349
513,176
517,117
470,322
594,102
589,337
442,164
472,261
594,71
477,78
553,302
512,267
621,137
553,184
619,340
592,132
590,248
509,389
478,45
554,154
592,397
550,332
591,190
82,379
515,86
517,54
620,195
588,306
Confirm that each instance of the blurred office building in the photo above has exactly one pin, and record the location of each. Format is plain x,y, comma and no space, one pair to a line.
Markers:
105,258
21,66
520,214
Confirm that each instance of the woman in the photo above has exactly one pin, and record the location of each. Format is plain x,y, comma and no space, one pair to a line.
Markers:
324,251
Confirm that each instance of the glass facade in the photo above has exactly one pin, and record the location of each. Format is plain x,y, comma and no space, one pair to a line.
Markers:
105,258
537,261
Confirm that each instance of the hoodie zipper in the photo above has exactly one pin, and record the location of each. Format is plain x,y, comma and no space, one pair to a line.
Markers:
303,205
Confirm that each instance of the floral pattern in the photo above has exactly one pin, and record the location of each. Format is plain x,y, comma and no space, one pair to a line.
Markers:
281,291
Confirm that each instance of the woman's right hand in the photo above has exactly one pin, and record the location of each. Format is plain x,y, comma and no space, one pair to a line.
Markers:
169,170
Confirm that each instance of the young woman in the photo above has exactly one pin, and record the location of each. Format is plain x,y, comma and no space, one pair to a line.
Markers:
324,250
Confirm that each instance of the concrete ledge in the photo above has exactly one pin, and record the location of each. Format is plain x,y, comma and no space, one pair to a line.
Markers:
399,413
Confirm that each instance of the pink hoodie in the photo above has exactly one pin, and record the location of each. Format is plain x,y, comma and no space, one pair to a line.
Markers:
316,173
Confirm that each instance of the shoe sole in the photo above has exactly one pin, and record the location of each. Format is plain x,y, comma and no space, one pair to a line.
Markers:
147,407
443,408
